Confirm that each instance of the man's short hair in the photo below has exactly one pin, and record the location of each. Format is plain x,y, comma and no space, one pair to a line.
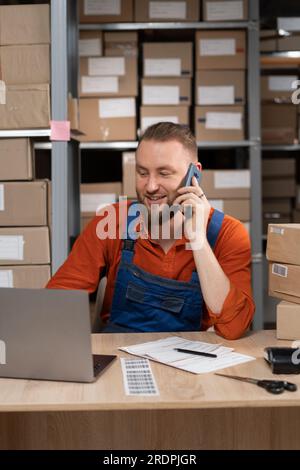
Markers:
166,131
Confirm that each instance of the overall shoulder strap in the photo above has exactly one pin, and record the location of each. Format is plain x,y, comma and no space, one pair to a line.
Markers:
214,227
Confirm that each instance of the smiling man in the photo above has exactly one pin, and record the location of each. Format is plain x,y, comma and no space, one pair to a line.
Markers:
166,283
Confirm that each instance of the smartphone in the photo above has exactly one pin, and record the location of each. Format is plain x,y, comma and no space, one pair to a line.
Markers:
192,171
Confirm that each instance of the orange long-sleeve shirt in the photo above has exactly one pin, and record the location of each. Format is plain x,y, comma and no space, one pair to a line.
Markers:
91,255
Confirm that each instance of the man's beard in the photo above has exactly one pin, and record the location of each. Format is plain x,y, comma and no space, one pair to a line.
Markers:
161,214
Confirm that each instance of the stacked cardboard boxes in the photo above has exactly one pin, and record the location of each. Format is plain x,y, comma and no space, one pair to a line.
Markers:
24,234
108,85
220,85
279,190
24,66
94,197
229,191
166,83
284,271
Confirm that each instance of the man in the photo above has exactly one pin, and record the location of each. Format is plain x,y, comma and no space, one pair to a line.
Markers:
157,283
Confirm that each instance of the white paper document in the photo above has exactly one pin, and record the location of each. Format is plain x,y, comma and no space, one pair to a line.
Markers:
99,84
162,67
161,95
208,95
232,10
167,10
107,66
163,350
217,47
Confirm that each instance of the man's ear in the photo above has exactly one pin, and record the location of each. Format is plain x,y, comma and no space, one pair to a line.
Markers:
199,166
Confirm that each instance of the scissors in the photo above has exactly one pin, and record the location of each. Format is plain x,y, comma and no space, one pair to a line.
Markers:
272,386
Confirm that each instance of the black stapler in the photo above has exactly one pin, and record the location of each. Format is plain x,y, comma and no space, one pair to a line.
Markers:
283,360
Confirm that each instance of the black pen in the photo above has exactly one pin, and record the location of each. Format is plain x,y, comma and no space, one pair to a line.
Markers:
196,353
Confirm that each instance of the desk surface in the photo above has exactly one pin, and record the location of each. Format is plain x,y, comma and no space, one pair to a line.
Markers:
178,389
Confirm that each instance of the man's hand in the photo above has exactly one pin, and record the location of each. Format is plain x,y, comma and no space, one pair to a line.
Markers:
196,209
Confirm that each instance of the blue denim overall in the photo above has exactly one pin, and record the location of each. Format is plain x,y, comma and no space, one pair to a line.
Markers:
145,302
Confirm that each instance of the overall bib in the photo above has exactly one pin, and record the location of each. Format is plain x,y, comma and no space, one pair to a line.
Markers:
143,302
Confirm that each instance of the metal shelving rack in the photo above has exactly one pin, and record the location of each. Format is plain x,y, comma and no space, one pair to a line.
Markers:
253,144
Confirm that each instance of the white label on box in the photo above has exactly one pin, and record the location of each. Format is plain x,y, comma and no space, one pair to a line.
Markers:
102,7
167,10
160,94
277,230
224,10
100,84
117,107
232,179
93,202
2,92
1,197
217,47
12,247
282,82
106,66
128,158
279,270
90,47
148,121
219,120
162,67
217,204
288,23
6,278
215,95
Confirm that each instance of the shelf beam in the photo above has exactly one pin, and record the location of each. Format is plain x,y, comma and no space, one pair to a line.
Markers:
24,133
166,25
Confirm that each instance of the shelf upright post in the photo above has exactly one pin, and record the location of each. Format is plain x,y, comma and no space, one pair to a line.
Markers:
255,161
65,159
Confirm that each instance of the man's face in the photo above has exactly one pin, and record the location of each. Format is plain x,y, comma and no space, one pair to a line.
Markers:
160,169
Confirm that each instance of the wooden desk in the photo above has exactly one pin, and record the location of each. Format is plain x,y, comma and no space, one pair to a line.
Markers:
191,412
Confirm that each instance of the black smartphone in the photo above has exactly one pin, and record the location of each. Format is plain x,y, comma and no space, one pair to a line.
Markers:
192,171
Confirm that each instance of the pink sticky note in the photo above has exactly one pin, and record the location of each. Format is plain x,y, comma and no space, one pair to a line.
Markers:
60,130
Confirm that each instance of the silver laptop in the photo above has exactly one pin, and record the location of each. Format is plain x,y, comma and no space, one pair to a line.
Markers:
46,334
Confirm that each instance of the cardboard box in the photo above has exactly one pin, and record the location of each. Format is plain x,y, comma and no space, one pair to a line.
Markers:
24,245
156,11
215,123
279,206
107,119
297,200
289,43
166,91
278,167
108,76
25,277
268,40
21,65
153,114
16,162
222,10
283,243
238,208
26,107
284,281
279,123
273,218
215,88
24,24
95,196
220,50
279,188
90,43
103,11
226,184
168,59
288,321
128,165
123,43
23,204
84,221
277,88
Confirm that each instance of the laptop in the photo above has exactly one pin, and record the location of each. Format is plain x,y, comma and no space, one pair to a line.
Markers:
46,334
